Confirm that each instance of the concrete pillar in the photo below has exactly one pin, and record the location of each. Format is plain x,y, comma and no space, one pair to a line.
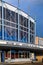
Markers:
10,54
2,56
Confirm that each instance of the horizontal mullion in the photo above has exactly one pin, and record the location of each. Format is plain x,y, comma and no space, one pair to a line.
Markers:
32,30
22,30
23,26
10,21
11,27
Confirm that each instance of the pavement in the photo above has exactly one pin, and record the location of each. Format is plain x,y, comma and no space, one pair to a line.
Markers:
23,63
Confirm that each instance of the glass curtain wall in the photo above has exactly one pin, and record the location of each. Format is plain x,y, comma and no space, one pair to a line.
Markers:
23,29
32,32
10,25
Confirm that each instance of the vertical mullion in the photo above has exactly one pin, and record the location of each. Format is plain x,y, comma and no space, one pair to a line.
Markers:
2,22
35,31
18,20
18,24
23,29
28,30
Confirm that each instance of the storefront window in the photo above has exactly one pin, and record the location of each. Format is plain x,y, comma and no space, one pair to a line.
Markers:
12,55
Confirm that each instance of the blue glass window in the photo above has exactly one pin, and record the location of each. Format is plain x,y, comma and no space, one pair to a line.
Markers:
11,34
23,29
31,39
11,25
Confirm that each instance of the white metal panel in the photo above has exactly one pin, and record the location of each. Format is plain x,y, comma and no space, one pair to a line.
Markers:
12,43
23,14
2,42
10,7
32,20
0,56
15,10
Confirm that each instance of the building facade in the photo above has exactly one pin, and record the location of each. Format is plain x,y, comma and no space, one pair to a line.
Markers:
17,34
39,41
15,25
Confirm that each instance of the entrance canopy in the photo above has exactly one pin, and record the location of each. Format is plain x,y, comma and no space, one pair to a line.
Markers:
6,45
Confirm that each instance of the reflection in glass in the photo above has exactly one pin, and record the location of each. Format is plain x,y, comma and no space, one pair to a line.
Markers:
11,34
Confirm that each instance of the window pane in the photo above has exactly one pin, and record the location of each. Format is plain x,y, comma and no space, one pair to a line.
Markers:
0,12
25,22
13,25
7,14
21,28
31,25
16,55
25,54
21,19
25,37
31,39
4,10
12,16
19,55
11,34
0,21
8,23
21,36
32,32
25,29
12,55
16,17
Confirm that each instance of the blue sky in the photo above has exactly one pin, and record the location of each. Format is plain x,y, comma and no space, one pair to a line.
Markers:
35,9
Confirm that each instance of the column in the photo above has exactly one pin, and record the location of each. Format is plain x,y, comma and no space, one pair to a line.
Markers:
10,54
2,22
28,31
2,56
